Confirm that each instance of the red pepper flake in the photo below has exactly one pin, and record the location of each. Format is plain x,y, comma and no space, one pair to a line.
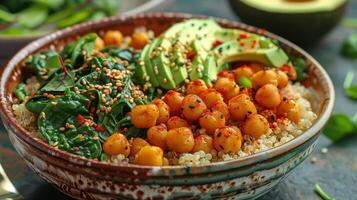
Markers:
99,128
217,43
92,110
191,54
241,44
227,74
80,119
75,148
198,82
88,104
243,36
254,43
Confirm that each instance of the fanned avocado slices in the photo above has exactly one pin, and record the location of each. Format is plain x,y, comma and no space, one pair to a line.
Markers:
199,49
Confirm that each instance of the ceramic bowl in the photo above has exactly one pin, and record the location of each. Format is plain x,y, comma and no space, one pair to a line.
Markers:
245,178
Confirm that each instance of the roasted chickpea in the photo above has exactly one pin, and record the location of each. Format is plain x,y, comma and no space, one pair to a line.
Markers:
136,145
164,111
223,108
290,109
212,121
196,87
150,156
193,107
268,96
144,116
228,139
174,100
269,115
116,144
176,122
99,44
256,125
227,87
210,97
156,136
241,106
243,71
203,143
290,71
114,38
264,77
180,140
139,40
283,79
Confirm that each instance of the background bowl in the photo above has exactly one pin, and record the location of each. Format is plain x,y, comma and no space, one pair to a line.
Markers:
302,28
13,44
245,178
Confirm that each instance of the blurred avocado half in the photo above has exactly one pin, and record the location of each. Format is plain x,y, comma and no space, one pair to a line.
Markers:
301,21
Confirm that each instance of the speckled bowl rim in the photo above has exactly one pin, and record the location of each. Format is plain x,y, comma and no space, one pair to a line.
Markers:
20,132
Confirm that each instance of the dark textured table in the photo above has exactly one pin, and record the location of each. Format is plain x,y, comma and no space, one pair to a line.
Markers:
335,171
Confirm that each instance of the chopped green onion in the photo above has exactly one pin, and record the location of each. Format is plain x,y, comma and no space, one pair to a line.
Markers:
321,193
245,82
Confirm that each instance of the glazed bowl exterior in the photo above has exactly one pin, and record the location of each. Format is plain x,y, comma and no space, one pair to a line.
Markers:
244,178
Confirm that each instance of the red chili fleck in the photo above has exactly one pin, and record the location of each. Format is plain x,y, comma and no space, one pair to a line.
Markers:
243,36
88,104
197,82
191,54
286,68
92,110
80,119
217,43
254,42
75,148
241,44
99,128
227,74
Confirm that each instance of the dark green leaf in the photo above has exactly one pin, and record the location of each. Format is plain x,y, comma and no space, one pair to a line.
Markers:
32,16
37,104
339,126
349,46
59,83
76,18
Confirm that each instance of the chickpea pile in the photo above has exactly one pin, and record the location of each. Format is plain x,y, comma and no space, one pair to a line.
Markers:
209,118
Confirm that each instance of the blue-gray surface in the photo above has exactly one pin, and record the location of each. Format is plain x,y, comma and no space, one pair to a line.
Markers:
335,171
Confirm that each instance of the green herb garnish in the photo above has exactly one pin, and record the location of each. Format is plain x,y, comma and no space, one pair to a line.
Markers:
339,126
322,193
350,90
349,46
245,82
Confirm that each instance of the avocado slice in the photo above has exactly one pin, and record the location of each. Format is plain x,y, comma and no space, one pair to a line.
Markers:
210,70
161,65
233,51
148,65
140,73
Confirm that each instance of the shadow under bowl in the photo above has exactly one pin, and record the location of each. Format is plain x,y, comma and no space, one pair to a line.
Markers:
244,178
